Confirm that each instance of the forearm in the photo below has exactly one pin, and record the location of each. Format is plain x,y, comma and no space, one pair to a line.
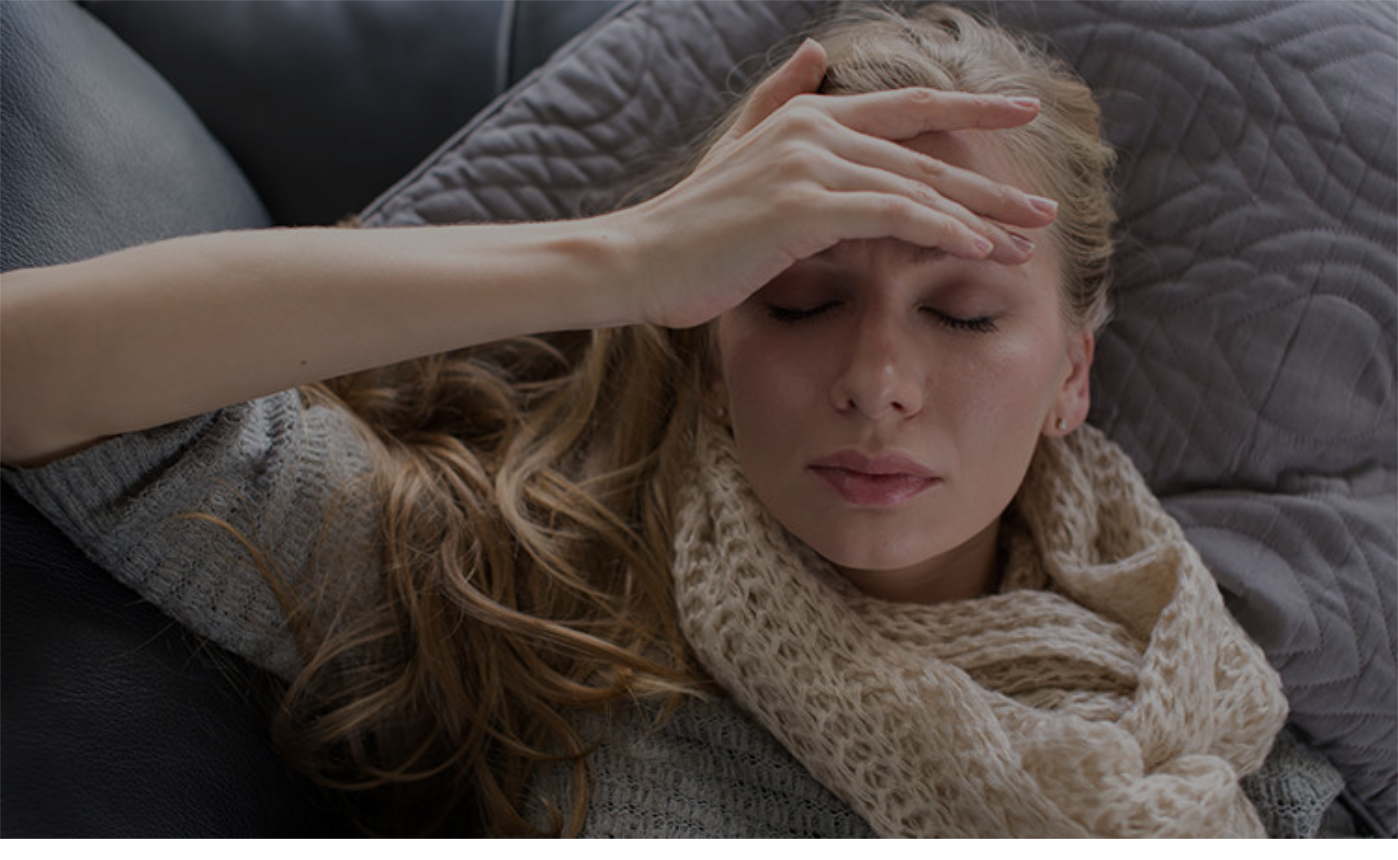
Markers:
157,333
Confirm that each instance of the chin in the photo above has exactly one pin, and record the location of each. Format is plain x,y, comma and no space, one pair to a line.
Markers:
866,555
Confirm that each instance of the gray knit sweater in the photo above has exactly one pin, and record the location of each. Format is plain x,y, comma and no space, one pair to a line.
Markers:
285,477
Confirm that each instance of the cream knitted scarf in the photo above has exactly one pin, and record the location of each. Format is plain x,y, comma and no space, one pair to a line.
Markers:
1105,691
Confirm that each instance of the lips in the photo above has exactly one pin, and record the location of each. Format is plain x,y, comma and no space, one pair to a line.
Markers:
880,480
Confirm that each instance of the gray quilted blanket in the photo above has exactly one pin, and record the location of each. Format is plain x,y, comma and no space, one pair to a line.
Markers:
1250,368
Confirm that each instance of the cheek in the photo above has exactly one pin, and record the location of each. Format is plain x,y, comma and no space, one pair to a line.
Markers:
1013,382
765,378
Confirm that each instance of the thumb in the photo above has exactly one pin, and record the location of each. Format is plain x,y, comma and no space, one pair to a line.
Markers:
802,73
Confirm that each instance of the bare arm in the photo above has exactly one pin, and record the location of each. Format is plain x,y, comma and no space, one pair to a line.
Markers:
156,333
152,334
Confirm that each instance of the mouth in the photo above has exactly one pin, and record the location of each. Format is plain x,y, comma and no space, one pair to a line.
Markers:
874,481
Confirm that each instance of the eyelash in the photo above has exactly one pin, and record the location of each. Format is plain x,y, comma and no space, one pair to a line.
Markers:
975,325
792,316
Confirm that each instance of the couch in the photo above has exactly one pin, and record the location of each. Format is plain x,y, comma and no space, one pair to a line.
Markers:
126,122
1249,370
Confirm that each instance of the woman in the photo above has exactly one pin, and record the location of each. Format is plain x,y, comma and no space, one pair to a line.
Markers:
822,367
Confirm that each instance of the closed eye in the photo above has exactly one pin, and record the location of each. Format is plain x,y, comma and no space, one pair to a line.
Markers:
791,316
973,325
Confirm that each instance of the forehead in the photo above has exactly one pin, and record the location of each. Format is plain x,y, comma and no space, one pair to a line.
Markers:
983,152
855,252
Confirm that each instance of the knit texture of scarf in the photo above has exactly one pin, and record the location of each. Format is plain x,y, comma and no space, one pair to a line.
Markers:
1105,691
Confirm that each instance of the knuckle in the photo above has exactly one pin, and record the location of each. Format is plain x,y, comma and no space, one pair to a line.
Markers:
922,193
920,96
929,166
793,162
798,160
1007,198
894,210
802,116
794,197
983,102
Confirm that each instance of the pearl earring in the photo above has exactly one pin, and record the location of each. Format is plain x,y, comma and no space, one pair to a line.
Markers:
1061,424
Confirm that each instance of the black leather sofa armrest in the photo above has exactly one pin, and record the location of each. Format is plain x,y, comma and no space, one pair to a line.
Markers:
98,151
114,721
326,104
117,723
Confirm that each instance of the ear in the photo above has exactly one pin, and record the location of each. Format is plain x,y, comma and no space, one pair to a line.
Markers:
715,402
1074,396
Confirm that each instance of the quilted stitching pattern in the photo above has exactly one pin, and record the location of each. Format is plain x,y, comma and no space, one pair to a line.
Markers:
1253,348
1250,368
588,125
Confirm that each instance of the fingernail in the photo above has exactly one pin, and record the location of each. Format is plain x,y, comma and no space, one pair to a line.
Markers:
1024,101
983,245
1022,243
1042,205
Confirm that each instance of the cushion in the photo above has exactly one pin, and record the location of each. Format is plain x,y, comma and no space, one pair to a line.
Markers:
1249,370
308,97
120,724
117,723
99,152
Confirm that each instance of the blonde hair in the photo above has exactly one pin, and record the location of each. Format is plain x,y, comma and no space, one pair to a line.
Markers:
526,539
1062,149
527,490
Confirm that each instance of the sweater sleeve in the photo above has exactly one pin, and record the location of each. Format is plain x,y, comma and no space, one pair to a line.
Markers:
194,514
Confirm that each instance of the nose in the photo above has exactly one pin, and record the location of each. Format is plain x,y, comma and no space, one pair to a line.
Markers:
881,371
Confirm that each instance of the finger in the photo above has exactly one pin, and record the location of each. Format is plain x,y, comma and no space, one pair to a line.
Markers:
1007,246
985,196
973,191
875,215
904,114
799,75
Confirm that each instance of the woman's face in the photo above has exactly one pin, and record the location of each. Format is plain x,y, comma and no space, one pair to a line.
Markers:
885,400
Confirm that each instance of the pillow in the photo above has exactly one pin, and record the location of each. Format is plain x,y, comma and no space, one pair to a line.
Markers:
1249,369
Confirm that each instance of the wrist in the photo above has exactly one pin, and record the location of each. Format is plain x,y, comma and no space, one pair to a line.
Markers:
605,259
509,280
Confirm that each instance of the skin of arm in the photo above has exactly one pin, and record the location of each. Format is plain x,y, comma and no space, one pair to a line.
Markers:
160,332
